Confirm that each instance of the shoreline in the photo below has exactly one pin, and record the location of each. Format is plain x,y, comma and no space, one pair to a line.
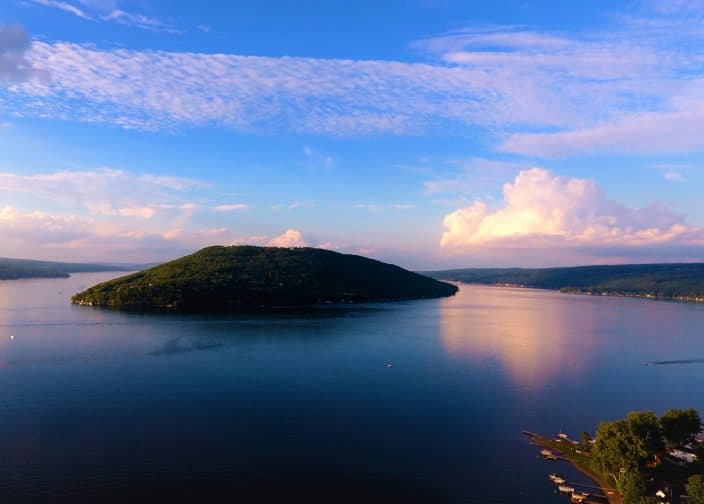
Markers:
567,290
611,494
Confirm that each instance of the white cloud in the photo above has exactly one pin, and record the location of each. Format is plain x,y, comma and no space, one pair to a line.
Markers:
107,10
633,86
139,21
679,129
289,238
542,210
378,207
106,191
162,90
63,6
41,235
671,172
230,207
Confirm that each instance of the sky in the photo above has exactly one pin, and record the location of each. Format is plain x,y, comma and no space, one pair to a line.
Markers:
429,133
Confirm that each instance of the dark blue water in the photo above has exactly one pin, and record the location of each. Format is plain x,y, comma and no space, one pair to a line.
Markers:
102,406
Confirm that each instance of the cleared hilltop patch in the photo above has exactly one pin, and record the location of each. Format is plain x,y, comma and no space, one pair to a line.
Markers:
224,278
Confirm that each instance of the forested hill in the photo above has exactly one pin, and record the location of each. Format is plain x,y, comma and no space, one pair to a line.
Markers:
662,281
224,278
13,269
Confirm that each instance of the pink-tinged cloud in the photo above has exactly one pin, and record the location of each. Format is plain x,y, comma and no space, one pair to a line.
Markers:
676,131
550,212
230,207
289,238
40,235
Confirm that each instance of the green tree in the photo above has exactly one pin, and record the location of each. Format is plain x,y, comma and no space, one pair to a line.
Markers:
646,426
632,486
695,489
626,445
679,426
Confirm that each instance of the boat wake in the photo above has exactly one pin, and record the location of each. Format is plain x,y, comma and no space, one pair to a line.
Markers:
682,361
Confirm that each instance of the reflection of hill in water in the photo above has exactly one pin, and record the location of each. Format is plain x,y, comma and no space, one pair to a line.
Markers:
535,336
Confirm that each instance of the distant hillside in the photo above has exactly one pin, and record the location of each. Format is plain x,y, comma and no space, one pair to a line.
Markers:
14,269
224,278
661,281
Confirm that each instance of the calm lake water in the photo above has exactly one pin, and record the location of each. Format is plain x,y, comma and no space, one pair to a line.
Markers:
102,406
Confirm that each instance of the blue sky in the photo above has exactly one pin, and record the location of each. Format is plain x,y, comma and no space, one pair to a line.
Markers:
428,133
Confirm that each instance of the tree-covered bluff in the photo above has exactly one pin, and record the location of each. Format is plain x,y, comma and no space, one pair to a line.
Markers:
225,278
15,269
683,281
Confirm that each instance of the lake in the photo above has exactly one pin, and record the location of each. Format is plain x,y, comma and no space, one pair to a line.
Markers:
98,405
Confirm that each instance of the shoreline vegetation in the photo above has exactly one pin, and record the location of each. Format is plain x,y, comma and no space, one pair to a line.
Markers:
641,459
568,452
243,277
667,282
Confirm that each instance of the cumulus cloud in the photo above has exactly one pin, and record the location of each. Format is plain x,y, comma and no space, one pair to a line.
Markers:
289,238
14,65
543,210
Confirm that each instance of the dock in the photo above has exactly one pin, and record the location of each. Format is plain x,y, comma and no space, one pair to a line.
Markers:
564,449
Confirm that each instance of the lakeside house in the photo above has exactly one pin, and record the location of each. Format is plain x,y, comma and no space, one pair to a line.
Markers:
682,455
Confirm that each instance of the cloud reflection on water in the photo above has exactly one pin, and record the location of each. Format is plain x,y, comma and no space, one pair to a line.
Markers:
536,336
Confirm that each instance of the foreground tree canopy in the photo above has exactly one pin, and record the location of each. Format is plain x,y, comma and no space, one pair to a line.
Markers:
627,445
695,489
679,426
627,450
222,278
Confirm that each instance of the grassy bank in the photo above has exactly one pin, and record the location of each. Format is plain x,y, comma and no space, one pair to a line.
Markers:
578,457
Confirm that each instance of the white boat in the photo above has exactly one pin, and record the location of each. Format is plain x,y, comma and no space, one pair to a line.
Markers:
579,496
565,488
556,478
545,453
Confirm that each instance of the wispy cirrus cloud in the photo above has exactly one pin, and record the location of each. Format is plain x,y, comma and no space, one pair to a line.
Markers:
107,11
625,87
63,6
633,86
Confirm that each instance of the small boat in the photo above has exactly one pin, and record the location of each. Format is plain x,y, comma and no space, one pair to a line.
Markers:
556,478
547,454
578,496
565,488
